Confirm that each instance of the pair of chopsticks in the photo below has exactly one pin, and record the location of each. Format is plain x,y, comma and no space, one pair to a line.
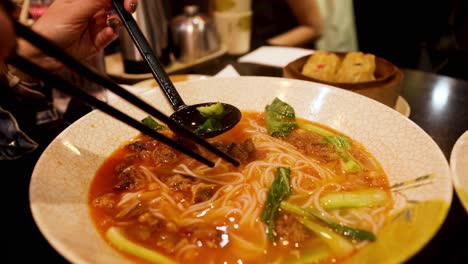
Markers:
54,81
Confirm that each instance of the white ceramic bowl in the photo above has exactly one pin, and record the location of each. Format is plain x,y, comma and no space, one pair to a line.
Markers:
60,181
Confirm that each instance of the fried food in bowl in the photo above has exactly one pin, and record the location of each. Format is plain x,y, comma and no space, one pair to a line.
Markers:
362,73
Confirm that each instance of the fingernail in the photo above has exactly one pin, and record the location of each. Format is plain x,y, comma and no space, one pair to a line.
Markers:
113,22
111,12
133,6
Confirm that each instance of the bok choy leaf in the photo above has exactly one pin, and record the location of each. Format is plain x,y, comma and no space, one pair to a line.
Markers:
280,118
279,191
213,114
341,143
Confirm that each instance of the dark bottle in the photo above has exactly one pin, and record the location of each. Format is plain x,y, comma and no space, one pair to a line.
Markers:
153,18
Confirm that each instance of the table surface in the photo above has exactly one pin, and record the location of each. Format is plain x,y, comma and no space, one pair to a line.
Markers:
439,105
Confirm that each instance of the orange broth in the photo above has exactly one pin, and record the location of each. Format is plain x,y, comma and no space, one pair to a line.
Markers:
104,182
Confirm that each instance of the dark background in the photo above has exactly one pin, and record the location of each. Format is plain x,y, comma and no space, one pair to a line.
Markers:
427,35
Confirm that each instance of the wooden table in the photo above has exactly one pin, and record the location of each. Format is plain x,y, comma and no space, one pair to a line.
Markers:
439,105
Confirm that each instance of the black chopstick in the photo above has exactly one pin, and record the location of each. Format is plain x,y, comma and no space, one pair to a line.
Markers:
54,51
65,86
147,53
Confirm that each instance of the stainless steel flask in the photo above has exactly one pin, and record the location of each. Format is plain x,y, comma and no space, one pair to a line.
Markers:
153,18
194,35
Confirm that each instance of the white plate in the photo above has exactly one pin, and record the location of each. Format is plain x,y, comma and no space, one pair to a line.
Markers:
61,178
402,106
459,166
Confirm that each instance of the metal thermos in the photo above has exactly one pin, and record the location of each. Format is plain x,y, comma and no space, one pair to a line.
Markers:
194,35
152,16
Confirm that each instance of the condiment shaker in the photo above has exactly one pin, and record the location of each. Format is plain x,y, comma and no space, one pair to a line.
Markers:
194,35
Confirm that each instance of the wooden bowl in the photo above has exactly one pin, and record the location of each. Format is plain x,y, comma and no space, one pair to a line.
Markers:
385,88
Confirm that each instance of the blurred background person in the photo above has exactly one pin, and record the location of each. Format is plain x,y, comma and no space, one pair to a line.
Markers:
339,29
286,23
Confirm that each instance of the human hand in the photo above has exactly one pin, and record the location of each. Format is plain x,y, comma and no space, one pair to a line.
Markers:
80,27
7,38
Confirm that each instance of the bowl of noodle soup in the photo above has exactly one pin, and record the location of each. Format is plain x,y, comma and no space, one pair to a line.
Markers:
349,182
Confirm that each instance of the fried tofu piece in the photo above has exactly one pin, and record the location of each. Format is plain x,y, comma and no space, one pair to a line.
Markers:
322,65
356,67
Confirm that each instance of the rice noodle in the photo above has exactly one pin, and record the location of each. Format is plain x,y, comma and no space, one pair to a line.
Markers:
238,199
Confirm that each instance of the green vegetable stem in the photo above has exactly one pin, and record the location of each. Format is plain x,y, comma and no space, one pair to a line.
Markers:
362,198
116,237
151,123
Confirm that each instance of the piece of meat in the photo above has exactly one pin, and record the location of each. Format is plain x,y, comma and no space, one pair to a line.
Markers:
244,152
203,192
130,179
165,155
300,139
148,224
208,235
311,144
149,219
137,145
131,159
181,183
288,228
325,152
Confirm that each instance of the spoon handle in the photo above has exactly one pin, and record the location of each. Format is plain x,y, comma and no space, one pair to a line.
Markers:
147,53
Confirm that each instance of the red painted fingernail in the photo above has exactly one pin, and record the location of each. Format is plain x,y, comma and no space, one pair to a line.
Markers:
133,6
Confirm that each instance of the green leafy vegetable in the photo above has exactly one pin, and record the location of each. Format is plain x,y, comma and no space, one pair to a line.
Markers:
213,110
151,123
346,231
211,124
280,118
116,237
342,144
363,198
279,191
213,113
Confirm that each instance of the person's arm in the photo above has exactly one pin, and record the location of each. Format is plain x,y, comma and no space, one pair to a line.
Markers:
297,36
310,25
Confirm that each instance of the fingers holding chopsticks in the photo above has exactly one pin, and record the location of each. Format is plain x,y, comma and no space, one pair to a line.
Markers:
54,51
80,27
113,20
